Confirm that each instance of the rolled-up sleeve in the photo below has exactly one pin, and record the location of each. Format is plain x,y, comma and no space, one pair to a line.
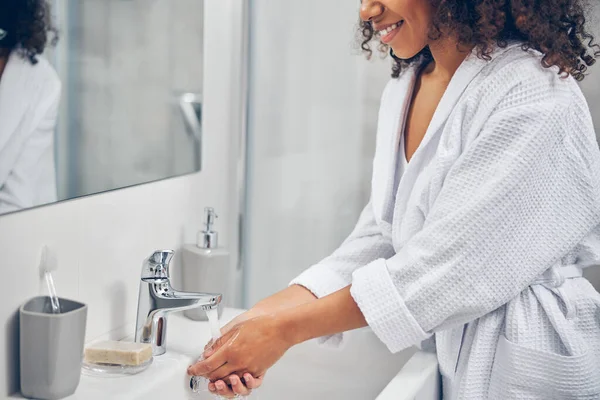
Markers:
519,198
364,245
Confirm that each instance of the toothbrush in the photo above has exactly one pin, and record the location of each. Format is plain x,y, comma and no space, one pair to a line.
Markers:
52,291
47,265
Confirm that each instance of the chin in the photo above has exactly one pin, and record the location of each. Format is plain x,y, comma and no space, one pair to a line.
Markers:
404,53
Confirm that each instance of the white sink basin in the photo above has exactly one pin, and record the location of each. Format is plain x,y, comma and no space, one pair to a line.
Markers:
360,370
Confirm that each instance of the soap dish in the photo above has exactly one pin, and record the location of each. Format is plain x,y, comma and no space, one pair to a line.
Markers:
94,369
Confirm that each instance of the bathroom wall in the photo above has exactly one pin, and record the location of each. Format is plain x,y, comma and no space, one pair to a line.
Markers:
100,241
313,110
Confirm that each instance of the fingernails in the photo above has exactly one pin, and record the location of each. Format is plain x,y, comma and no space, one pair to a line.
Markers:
220,385
211,387
247,377
234,380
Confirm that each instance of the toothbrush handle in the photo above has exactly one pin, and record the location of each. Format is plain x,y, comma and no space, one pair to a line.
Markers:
52,291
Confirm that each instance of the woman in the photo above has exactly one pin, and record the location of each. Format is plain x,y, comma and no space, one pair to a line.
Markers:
485,208
29,98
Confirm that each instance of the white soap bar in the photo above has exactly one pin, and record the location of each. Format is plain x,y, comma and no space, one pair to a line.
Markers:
119,353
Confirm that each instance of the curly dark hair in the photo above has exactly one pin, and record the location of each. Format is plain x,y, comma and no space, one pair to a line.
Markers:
28,28
556,28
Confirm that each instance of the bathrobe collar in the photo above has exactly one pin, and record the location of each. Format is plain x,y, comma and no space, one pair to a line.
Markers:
389,129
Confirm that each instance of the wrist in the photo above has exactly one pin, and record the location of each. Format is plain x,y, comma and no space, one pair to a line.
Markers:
257,311
289,325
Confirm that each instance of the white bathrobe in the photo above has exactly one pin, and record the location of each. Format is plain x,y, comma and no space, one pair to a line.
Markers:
29,99
480,251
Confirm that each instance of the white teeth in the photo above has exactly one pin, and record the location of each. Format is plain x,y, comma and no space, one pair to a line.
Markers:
389,29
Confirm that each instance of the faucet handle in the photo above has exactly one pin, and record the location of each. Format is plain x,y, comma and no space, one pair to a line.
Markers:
162,257
156,267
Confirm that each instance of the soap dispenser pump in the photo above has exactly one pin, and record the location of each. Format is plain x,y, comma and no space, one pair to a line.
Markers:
208,239
205,265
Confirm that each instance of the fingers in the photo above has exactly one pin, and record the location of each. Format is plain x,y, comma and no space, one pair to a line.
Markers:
213,358
220,388
209,352
238,387
228,327
208,365
252,382
221,372
215,346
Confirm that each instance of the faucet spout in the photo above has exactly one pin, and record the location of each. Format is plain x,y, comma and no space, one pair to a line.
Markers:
180,301
157,299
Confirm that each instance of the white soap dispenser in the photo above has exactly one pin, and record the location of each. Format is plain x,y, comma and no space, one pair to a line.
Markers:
205,266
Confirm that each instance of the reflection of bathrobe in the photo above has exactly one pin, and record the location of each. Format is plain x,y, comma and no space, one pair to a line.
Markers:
29,98
483,243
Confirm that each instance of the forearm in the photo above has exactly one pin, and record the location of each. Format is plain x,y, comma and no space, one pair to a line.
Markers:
289,297
329,315
256,344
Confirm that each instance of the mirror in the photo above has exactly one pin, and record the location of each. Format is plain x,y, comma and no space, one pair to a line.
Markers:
116,101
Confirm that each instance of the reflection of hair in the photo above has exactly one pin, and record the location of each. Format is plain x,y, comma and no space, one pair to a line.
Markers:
28,27
555,28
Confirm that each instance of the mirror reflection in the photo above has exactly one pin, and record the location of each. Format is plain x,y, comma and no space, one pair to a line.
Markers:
97,95
30,93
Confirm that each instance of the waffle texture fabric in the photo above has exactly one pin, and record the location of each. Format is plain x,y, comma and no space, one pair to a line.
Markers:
469,254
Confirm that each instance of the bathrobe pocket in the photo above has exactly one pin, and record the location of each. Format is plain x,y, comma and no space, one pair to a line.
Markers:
523,373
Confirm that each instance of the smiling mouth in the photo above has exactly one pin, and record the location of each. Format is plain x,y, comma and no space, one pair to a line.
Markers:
390,28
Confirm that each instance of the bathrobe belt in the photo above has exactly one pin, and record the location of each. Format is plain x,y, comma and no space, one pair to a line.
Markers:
552,279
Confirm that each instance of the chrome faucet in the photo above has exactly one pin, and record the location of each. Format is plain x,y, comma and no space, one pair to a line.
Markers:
157,299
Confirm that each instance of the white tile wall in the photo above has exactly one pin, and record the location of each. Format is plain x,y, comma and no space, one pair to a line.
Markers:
312,124
100,241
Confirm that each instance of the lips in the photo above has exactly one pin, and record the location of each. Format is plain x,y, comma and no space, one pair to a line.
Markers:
388,33
385,30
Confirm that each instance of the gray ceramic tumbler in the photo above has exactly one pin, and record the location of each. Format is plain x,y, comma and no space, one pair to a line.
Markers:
51,348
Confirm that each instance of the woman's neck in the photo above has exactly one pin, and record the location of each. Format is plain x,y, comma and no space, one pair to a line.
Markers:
447,57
